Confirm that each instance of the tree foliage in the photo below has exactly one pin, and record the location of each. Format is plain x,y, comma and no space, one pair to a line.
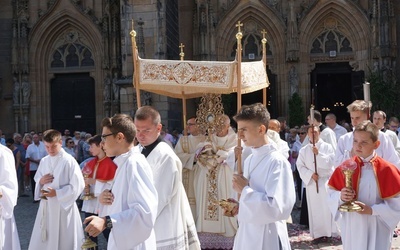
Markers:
296,111
385,91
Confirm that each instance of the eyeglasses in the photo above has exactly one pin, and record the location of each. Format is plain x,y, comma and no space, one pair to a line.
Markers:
71,142
103,137
301,133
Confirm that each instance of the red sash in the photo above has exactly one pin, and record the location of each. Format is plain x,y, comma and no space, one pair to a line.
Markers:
105,170
386,174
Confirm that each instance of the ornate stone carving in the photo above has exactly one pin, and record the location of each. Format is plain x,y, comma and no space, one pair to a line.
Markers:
293,80
16,91
354,65
26,90
107,88
292,34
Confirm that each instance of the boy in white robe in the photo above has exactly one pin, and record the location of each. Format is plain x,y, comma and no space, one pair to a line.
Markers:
131,204
266,188
376,189
174,226
8,199
322,225
359,111
60,182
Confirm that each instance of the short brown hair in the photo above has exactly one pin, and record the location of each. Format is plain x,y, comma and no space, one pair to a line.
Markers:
256,112
145,112
369,127
51,135
121,123
94,140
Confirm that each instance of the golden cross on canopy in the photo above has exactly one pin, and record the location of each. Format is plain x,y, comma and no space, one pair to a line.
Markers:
263,32
182,54
239,24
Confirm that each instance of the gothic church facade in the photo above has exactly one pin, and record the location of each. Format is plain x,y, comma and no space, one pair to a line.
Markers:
68,63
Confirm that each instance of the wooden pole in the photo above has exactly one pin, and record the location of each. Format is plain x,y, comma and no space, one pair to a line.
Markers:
239,36
313,142
182,56
264,58
135,67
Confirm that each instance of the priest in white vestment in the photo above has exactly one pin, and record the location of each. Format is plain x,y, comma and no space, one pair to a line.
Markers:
58,223
375,188
131,204
359,111
174,226
266,188
322,225
185,149
213,183
379,119
8,199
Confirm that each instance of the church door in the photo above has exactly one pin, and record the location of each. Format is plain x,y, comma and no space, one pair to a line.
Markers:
73,102
334,86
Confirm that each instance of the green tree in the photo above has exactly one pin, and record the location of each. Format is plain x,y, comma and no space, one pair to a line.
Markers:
385,91
296,111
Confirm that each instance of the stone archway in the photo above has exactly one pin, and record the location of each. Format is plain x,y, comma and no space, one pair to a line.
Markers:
255,17
334,32
44,41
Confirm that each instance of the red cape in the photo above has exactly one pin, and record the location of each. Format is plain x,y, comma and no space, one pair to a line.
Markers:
105,170
386,174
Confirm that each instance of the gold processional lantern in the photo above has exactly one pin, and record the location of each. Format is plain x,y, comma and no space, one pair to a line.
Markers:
88,244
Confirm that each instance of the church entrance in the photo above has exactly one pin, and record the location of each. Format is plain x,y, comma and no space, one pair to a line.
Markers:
73,103
334,86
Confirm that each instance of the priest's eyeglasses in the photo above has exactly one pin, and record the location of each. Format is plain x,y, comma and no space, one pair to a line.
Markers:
103,137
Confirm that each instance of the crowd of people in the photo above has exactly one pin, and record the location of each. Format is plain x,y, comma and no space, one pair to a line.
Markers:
143,188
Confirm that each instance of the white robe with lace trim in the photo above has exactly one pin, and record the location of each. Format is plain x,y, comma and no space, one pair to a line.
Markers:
185,149
209,190
9,188
174,227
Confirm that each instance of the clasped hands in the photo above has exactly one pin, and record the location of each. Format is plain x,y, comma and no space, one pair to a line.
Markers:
50,192
348,194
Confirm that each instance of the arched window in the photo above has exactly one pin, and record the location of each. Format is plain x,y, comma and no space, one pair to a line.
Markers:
251,45
72,55
331,40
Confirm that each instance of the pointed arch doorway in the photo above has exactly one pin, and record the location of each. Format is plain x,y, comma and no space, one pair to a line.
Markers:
73,102
334,86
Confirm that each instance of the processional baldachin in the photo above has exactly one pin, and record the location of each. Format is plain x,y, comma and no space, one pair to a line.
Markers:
192,79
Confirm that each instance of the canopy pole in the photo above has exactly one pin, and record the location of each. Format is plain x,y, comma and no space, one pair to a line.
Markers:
239,36
182,56
135,67
264,58
185,133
